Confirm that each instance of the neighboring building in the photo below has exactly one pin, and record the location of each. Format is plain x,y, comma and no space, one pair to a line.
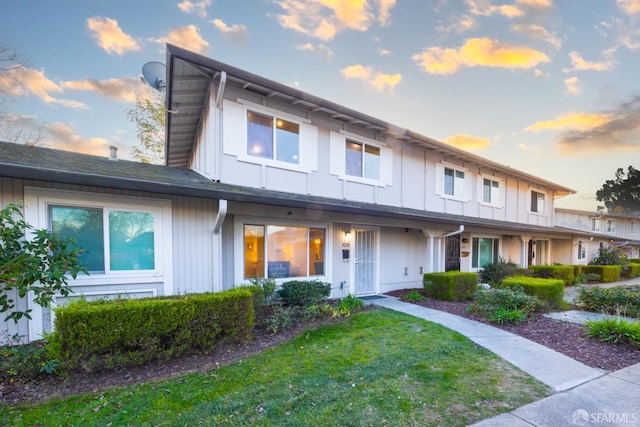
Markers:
600,230
266,180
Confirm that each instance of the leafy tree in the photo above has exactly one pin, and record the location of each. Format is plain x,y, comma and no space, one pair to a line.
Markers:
622,194
33,260
149,117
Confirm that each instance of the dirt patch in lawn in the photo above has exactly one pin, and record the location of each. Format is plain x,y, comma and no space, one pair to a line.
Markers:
563,337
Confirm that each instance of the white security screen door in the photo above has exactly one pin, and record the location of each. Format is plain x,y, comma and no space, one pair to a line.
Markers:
365,262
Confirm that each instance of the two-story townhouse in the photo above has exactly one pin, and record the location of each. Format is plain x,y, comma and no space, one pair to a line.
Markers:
597,230
264,180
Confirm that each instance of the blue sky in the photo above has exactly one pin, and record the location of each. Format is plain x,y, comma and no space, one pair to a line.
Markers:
548,87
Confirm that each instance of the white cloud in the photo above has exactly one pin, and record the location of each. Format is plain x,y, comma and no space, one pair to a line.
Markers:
118,89
485,8
372,78
321,49
36,83
573,85
63,137
110,37
538,32
579,63
630,7
197,7
236,33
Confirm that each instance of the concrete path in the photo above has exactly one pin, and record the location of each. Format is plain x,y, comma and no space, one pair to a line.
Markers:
584,394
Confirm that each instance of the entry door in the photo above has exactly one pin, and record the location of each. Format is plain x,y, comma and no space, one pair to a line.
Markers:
365,262
452,248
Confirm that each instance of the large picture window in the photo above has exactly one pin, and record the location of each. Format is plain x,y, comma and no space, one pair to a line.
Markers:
484,251
111,240
273,138
278,251
362,160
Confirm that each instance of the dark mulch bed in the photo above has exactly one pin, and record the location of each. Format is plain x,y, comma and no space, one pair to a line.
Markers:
563,337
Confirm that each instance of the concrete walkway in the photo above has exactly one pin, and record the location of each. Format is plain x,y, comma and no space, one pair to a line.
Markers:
581,391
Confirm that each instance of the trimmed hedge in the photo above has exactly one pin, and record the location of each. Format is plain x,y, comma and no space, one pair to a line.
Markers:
549,291
304,292
563,272
608,273
106,334
450,286
633,270
623,300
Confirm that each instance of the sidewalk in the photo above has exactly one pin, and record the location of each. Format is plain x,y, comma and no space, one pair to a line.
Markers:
581,391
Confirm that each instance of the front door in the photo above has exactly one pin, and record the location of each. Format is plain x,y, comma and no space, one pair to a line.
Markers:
365,262
452,249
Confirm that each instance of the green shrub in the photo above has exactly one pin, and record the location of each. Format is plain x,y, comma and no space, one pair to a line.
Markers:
608,273
615,331
347,305
126,332
267,288
304,292
413,296
498,271
510,304
550,292
450,286
27,361
616,300
633,270
611,255
563,272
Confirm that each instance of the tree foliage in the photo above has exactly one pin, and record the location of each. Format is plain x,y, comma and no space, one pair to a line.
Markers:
622,194
31,260
149,117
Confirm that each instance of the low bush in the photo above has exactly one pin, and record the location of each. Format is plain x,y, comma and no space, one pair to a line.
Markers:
623,300
108,334
550,292
510,304
608,273
26,361
615,331
413,296
633,270
496,272
347,305
304,292
562,272
450,286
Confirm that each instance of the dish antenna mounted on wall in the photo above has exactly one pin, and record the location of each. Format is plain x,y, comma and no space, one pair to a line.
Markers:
153,74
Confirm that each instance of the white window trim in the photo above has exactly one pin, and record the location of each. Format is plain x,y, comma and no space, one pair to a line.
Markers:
582,249
633,228
482,236
611,226
440,183
240,150
546,201
501,191
264,221
386,160
38,199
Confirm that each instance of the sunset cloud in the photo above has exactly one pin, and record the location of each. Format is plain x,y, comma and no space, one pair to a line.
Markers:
579,63
538,32
571,121
630,7
36,83
110,37
478,52
322,50
236,33
322,19
485,8
573,85
468,142
458,26
197,7
63,137
538,4
187,37
378,81
117,89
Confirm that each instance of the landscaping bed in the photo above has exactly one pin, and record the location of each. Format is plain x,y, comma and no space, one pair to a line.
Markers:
563,337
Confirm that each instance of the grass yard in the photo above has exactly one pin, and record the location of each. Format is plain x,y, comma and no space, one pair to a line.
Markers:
378,368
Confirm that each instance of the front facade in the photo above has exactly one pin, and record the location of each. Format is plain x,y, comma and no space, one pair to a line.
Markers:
264,180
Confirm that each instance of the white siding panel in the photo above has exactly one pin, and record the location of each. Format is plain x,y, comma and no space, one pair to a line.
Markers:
337,154
402,250
309,147
234,128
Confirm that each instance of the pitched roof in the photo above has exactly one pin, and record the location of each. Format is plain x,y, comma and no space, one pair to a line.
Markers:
191,75
46,164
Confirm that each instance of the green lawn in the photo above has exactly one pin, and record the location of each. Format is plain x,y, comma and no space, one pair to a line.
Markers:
378,368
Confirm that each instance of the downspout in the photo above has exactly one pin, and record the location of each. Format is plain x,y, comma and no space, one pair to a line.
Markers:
219,124
217,245
441,248
221,86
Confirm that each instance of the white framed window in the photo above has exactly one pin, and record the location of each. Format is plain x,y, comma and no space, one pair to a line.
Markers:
261,135
484,250
120,236
359,159
611,225
582,251
633,228
595,224
282,250
537,202
453,182
490,190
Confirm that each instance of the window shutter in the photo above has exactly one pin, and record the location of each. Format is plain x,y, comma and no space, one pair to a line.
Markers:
337,144
234,128
309,147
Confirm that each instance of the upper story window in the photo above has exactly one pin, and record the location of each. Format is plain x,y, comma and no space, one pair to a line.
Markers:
537,202
582,251
273,138
453,182
362,160
633,228
595,224
611,226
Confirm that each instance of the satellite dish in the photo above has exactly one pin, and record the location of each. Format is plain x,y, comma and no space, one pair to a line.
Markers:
153,74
